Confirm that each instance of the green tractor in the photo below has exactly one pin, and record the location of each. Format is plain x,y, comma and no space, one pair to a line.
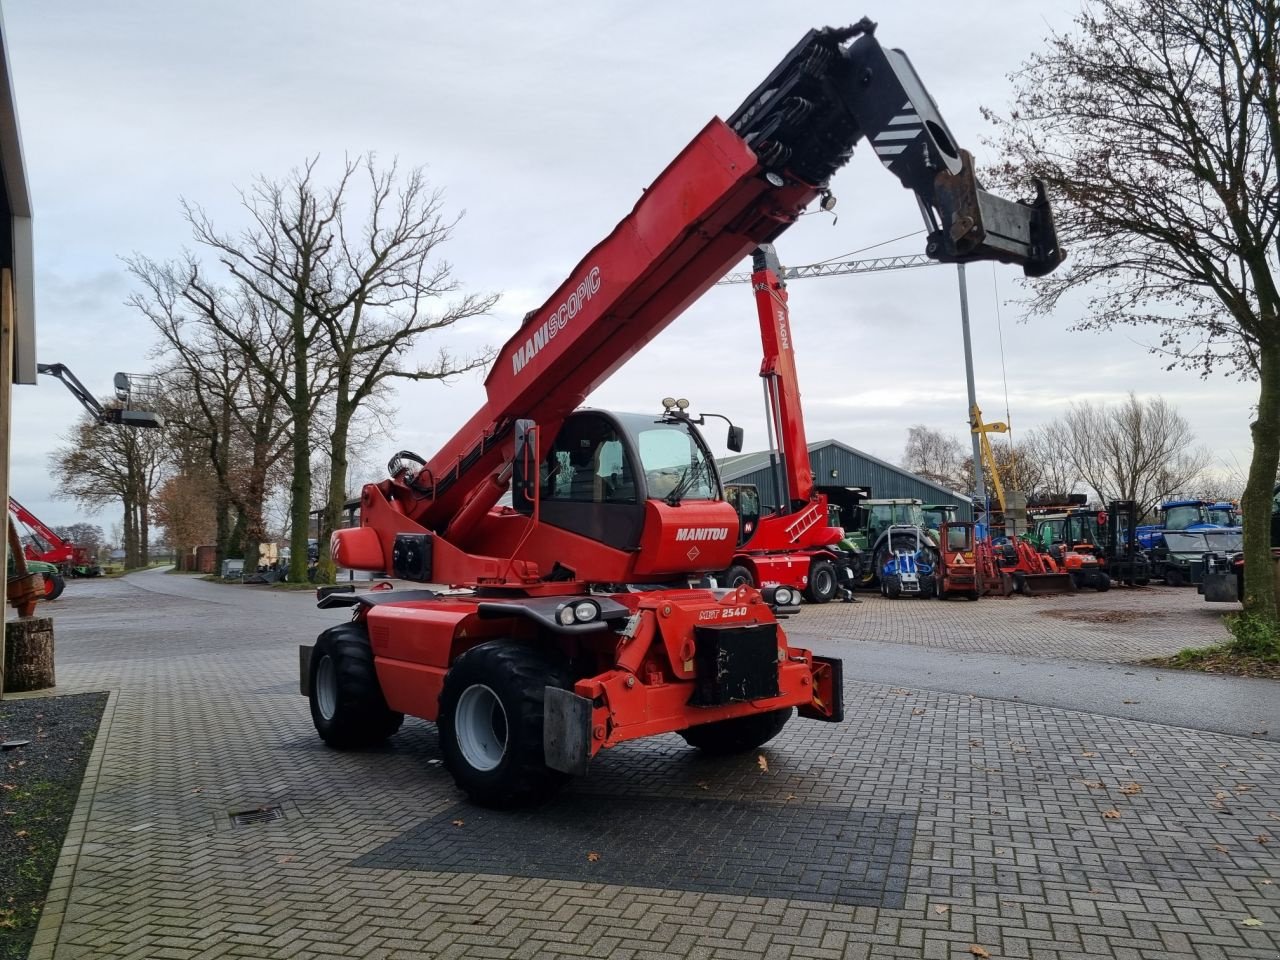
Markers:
54,583
876,530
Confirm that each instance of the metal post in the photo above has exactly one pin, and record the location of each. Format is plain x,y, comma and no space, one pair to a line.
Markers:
979,482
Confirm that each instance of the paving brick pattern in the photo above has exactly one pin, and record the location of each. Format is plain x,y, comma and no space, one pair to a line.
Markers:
1030,837
794,850
1123,625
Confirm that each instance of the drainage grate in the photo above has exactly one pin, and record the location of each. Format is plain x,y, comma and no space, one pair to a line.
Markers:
258,815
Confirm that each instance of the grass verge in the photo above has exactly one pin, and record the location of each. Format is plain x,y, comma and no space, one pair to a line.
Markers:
39,783
1252,651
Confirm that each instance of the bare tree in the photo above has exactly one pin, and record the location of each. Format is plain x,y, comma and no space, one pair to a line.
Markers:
383,287
100,465
278,260
936,456
1156,124
1056,476
226,400
1140,450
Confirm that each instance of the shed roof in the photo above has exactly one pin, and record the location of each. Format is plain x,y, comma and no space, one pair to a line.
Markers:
739,465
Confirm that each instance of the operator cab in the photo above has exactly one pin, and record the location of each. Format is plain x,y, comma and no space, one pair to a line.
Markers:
595,476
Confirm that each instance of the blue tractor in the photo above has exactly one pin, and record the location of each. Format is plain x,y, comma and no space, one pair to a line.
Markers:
908,570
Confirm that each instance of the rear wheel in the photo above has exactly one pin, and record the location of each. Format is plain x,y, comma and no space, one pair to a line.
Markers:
738,576
1103,583
347,705
822,582
53,586
490,722
725,737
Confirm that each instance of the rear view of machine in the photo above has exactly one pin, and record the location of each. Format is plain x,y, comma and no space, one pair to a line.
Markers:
584,617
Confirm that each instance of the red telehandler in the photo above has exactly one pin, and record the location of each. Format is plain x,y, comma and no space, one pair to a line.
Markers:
793,545
583,624
42,544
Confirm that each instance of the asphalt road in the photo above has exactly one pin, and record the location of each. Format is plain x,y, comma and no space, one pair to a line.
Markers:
1237,706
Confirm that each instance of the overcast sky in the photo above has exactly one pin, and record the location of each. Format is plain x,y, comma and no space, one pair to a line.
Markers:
542,121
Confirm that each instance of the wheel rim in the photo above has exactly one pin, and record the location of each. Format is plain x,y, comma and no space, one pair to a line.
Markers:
824,582
48,585
326,687
480,722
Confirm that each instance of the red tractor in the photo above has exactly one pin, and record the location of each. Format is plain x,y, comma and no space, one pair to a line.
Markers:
582,616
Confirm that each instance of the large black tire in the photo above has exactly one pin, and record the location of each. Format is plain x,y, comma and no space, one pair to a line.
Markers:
53,586
1102,582
347,705
822,586
893,588
738,576
490,722
725,737
1173,577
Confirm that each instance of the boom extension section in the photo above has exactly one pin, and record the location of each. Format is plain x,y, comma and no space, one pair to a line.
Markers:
735,186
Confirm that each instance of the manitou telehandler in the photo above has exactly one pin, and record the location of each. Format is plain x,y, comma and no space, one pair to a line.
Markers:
582,624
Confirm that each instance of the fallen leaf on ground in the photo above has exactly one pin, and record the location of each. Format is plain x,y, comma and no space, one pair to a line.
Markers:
459,823
1251,922
1130,789
900,690
975,743
1265,883
1220,848
1111,814
1264,838
1222,795
1000,851
1133,701
1088,753
1092,784
286,859
977,951
593,856
703,785
791,796
762,763
1274,816
8,786
917,711
941,909
1243,787
21,833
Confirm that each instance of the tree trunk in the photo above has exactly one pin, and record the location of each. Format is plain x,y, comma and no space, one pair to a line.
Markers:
337,496
130,534
222,526
144,527
300,486
28,655
1259,580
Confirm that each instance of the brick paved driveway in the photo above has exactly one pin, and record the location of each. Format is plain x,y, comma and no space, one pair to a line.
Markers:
1121,625
925,824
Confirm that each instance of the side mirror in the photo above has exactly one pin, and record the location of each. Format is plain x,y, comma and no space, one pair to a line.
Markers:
734,442
524,466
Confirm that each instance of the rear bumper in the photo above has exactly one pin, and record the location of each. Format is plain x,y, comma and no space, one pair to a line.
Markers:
577,727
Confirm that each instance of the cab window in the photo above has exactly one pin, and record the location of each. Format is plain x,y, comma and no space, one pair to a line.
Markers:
588,463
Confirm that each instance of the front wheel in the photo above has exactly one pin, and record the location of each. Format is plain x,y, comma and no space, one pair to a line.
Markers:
490,721
347,706
53,586
1173,577
822,582
1103,583
738,735
738,576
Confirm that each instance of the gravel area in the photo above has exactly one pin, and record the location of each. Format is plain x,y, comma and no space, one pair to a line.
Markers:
39,782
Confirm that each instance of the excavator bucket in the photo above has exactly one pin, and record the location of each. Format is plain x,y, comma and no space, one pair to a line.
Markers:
1044,584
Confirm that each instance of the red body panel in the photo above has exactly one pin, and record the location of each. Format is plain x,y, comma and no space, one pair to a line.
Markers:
644,681
778,370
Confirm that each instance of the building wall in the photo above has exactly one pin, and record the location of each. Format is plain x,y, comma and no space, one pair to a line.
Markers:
881,480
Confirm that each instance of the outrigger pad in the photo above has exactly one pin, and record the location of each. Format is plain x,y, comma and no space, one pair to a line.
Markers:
735,664
566,731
